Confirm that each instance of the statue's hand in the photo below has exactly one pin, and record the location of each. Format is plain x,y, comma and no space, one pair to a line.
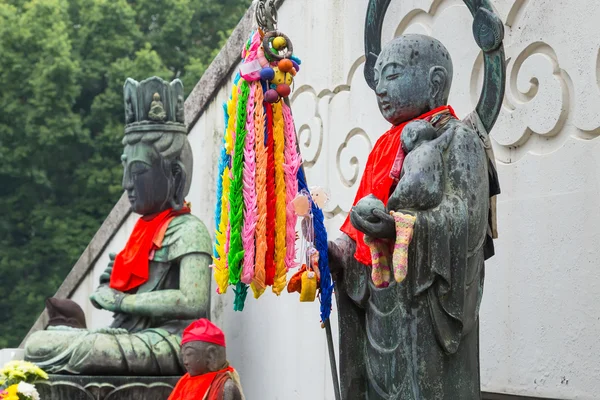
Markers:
335,257
105,277
340,252
370,217
106,298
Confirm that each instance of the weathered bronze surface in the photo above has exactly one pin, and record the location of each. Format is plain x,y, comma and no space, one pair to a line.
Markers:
419,339
145,336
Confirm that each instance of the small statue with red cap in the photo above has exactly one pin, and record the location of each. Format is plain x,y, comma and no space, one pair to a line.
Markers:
209,376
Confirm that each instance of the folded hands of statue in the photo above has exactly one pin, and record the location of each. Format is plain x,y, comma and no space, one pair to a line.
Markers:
106,298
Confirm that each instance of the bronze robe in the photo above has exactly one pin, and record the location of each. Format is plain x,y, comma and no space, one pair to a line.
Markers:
133,345
419,340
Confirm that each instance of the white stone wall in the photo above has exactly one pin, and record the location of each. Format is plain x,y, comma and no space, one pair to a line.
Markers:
539,318
99,318
7,355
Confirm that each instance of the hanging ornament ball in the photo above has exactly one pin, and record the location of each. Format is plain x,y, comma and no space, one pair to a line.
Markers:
267,74
271,96
301,205
279,43
296,66
283,90
319,196
285,65
281,77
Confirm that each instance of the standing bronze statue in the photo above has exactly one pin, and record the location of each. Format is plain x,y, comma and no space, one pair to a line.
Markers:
417,338
160,282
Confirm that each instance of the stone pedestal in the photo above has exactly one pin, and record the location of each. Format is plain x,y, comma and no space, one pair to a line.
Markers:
72,387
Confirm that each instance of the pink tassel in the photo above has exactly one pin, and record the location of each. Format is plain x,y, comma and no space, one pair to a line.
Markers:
290,168
249,192
251,53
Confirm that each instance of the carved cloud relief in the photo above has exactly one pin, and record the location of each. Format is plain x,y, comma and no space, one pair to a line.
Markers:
552,91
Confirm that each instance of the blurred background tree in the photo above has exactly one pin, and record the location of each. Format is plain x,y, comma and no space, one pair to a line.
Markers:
62,68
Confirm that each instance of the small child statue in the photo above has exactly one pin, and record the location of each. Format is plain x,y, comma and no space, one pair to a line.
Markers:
209,375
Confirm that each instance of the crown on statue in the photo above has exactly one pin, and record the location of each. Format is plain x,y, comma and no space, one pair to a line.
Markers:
154,105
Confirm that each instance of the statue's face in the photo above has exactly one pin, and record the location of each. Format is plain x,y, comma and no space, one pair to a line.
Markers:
144,179
200,358
193,358
402,85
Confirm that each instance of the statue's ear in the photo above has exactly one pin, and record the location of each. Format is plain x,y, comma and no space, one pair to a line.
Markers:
438,80
179,179
211,358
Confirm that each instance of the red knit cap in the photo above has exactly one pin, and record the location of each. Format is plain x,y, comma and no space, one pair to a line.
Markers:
203,331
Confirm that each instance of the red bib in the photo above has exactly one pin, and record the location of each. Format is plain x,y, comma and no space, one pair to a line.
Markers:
195,388
381,172
131,267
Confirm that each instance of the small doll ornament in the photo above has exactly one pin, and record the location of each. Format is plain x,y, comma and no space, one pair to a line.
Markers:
307,279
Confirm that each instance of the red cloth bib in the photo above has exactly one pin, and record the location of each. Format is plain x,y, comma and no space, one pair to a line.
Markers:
131,267
384,163
195,388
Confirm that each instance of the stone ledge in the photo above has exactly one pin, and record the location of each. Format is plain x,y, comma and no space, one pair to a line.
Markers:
62,387
501,396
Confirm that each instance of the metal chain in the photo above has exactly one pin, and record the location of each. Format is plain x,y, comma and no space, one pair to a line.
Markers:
266,15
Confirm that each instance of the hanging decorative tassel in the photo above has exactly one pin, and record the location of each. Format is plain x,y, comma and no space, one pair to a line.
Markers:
255,236
320,244
223,189
236,250
271,202
291,166
279,279
259,183
258,283
249,190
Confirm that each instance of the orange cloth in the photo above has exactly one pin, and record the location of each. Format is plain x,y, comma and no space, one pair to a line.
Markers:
131,267
195,388
376,179
217,389
295,283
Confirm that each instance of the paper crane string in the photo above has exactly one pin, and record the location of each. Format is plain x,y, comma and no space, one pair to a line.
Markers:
259,180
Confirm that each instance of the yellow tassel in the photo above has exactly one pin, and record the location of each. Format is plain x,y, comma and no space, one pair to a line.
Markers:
221,270
231,110
280,210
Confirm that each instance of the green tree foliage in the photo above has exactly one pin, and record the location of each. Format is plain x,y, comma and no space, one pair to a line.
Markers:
62,68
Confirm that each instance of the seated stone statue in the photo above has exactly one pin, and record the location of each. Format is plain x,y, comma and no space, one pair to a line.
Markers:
209,375
160,281
157,111
417,339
